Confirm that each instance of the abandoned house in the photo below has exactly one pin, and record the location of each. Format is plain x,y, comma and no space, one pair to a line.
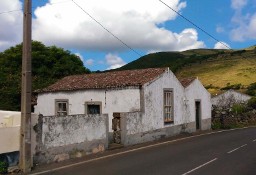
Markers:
153,100
230,97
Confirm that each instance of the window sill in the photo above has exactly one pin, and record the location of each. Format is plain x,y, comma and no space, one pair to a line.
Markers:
168,122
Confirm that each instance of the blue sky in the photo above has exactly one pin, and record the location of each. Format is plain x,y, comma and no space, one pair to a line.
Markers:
146,26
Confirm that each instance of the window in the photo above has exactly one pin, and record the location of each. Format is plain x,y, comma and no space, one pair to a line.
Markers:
61,107
92,107
168,106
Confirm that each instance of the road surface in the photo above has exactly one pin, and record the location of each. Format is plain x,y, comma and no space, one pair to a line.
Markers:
223,153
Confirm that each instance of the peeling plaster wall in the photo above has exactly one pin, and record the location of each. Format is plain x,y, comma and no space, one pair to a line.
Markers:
61,138
154,97
223,99
134,130
196,92
113,100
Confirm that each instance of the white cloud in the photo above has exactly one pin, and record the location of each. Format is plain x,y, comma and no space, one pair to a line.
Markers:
220,29
134,22
114,61
11,23
80,56
238,4
244,24
245,30
89,62
221,45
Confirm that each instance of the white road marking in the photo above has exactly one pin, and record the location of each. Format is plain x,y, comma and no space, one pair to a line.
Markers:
236,148
136,149
200,166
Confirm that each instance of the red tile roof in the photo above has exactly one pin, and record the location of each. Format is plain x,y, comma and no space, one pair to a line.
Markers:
187,81
105,80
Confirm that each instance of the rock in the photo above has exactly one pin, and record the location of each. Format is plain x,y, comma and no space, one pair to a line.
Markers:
61,157
78,154
100,148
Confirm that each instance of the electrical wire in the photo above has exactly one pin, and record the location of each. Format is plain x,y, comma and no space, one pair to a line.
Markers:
11,11
89,16
207,33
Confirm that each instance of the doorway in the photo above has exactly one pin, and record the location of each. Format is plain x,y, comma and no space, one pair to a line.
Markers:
198,114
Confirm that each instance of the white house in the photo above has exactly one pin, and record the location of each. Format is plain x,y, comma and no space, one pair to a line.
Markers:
230,97
198,103
156,93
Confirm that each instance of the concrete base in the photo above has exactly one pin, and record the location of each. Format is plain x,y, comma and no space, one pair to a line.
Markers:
157,134
206,124
164,132
58,154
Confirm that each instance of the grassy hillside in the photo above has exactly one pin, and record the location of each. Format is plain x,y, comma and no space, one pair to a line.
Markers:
215,68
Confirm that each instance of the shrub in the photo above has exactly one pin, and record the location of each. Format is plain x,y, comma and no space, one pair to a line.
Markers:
3,164
216,125
252,103
238,108
233,86
3,167
251,90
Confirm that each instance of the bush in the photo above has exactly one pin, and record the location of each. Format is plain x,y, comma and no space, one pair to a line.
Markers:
3,167
216,125
251,90
238,108
233,86
252,103
3,164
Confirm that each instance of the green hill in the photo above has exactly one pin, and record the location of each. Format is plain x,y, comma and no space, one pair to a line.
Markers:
215,68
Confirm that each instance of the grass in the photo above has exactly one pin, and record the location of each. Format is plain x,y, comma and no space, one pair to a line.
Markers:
221,72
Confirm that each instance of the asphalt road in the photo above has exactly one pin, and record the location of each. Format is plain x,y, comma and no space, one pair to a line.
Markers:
223,153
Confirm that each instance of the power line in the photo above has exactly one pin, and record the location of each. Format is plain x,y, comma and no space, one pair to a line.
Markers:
11,11
214,38
106,29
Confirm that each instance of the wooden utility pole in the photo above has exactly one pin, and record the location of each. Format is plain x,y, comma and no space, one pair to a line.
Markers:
25,129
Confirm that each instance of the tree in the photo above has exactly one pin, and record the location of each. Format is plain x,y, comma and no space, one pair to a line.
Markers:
48,65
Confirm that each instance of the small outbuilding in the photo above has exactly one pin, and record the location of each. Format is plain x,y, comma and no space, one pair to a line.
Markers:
230,97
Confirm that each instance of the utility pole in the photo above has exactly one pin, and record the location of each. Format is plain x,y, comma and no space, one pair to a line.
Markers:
25,128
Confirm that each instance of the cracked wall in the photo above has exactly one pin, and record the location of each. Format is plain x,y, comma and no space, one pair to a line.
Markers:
60,138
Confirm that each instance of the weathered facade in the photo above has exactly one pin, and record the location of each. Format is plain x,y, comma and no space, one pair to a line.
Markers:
152,102
60,138
230,97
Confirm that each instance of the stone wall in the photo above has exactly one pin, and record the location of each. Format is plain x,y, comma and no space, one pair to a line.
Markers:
63,137
224,117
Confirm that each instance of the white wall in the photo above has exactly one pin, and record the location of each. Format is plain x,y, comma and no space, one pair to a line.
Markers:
120,100
196,91
9,118
68,130
9,139
223,99
154,97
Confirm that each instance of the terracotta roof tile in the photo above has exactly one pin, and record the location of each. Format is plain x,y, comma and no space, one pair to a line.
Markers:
105,80
187,81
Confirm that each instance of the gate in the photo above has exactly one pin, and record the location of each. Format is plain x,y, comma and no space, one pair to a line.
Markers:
116,126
